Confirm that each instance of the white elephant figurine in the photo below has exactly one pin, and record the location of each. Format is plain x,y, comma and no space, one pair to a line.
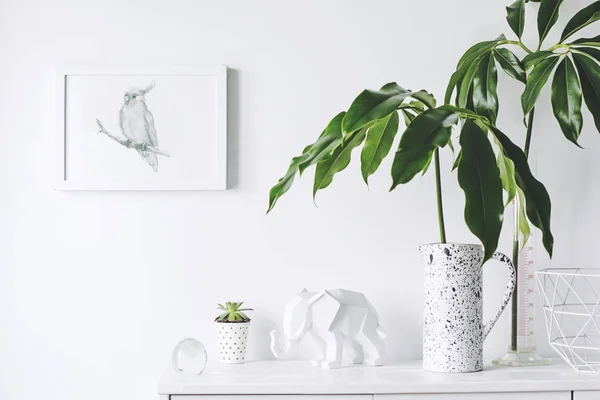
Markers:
331,317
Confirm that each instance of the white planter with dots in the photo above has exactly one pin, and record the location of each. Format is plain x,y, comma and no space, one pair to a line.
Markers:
232,338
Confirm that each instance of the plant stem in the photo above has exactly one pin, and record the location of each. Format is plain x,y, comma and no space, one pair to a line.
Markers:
516,247
529,130
520,44
514,315
559,46
438,192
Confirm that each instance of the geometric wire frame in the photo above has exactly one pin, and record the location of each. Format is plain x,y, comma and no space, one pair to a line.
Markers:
570,300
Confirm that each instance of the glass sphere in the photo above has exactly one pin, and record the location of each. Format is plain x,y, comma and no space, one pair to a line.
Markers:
189,357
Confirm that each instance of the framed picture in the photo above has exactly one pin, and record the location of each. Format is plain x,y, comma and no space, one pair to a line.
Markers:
142,129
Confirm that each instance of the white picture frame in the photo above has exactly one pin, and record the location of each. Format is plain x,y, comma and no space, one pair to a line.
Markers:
69,131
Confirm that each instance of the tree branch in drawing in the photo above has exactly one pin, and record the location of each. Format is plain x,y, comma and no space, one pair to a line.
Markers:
129,144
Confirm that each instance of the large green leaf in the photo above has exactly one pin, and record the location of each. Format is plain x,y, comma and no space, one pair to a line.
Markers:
414,105
479,178
589,75
372,105
338,161
537,200
330,139
485,83
510,64
378,144
428,131
507,175
547,16
424,97
426,167
537,79
593,42
464,88
566,100
478,50
590,51
408,117
475,52
455,79
515,15
457,161
595,39
531,60
582,19
524,227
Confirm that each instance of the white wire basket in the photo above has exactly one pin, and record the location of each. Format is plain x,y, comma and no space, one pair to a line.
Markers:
570,300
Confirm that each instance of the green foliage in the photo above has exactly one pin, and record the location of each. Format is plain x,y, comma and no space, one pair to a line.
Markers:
372,105
315,153
464,88
536,81
378,144
537,200
485,82
582,19
472,56
566,100
511,64
524,227
532,59
589,76
547,17
575,74
232,312
507,175
428,131
339,160
471,101
515,15
479,178
594,42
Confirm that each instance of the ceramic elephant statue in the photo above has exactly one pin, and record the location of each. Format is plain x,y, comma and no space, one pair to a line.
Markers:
331,318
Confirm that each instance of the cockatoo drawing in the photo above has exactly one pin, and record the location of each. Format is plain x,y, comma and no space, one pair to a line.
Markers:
137,126
137,122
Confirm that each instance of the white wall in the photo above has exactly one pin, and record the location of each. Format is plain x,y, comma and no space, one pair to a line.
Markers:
96,288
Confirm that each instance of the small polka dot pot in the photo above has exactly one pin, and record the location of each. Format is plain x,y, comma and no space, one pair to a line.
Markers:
233,339
453,328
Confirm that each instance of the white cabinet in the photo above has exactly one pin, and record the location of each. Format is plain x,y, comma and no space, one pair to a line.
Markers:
291,380
586,395
483,396
277,397
444,396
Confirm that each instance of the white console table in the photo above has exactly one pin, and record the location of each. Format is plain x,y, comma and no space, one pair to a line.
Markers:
281,380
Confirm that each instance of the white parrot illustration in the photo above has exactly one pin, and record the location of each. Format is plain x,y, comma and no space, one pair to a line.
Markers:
137,127
137,123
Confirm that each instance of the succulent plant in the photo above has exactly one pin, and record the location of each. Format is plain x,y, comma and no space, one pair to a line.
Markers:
232,312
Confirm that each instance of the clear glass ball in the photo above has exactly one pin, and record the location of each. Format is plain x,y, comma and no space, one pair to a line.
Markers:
189,357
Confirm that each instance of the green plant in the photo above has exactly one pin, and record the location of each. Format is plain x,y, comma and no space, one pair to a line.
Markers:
373,120
232,312
576,78
471,98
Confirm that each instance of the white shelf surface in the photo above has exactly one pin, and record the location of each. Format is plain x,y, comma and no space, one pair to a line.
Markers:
293,377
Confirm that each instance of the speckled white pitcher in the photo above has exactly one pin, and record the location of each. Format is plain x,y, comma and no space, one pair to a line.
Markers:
453,330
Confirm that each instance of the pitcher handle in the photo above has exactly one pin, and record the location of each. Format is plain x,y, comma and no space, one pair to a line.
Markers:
512,281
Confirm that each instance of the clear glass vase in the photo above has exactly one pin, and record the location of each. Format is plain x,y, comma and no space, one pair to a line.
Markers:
522,348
